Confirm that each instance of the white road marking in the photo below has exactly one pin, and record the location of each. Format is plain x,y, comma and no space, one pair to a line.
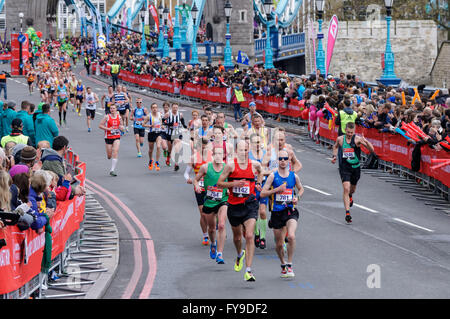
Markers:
413,225
316,190
366,208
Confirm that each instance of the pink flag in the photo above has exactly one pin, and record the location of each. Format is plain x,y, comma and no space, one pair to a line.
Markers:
332,35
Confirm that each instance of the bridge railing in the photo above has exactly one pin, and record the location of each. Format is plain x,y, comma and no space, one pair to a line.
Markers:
287,41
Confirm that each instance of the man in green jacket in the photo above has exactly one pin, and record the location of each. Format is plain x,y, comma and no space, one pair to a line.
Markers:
46,129
27,121
8,115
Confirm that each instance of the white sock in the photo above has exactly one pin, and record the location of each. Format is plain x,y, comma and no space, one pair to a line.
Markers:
113,165
205,235
248,269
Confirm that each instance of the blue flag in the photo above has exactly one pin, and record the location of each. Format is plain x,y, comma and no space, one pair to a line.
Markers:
242,58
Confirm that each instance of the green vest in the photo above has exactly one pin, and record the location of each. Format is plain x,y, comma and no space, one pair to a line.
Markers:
114,68
346,118
239,95
18,139
210,182
350,154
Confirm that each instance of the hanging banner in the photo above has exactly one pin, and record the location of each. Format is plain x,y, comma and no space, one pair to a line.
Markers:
312,36
154,14
332,36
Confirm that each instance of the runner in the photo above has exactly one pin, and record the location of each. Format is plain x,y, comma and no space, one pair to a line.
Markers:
219,139
154,135
113,126
79,96
198,158
173,121
257,153
73,90
138,116
166,144
348,148
63,97
30,79
242,204
193,125
91,106
107,99
121,99
281,186
215,204
128,104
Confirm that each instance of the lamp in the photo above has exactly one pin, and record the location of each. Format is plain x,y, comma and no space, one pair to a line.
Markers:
194,58
228,64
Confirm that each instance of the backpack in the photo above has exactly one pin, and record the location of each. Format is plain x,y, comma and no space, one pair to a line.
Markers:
371,162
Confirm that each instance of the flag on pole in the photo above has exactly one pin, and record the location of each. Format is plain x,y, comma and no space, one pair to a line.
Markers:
332,35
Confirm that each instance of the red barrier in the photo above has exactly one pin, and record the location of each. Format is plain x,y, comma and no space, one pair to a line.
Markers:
29,245
394,148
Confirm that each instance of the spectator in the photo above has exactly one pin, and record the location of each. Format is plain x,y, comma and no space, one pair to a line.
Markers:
27,121
38,185
46,129
7,116
16,134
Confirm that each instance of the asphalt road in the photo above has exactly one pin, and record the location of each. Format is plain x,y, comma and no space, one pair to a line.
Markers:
397,247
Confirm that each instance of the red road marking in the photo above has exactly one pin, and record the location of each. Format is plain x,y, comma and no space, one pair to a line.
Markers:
145,293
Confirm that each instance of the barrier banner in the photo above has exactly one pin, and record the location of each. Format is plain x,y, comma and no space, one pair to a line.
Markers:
202,92
21,258
261,103
394,148
5,56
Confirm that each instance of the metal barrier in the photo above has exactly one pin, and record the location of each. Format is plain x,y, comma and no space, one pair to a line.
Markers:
60,261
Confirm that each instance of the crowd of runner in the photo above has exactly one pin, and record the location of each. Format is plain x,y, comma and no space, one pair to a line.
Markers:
246,175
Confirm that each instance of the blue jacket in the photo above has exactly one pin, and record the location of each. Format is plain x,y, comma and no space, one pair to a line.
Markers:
41,220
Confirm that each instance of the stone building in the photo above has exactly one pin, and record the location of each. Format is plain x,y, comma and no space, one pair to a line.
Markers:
241,25
360,45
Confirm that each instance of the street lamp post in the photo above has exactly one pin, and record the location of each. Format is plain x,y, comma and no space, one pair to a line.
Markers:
166,50
143,39
194,58
161,34
176,29
389,77
228,63
320,54
183,28
268,51
20,45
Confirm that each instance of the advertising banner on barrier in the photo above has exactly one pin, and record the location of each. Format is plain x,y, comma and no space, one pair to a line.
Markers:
21,258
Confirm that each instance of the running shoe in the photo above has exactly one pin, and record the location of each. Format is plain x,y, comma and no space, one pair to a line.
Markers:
262,243
112,173
139,154
79,114
213,251
89,130
168,161
205,241
249,276
351,201
348,218
150,165
239,262
290,272
176,168
157,166
283,271
219,259
257,241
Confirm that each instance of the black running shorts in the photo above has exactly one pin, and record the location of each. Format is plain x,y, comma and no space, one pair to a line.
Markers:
238,214
279,219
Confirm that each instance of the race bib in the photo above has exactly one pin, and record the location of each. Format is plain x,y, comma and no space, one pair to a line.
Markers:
243,191
348,153
115,132
284,197
214,193
201,184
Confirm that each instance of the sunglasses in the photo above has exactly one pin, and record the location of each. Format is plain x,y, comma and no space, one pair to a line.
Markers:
283,158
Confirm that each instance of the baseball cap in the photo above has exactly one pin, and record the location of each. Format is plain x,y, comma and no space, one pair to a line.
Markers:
252,104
